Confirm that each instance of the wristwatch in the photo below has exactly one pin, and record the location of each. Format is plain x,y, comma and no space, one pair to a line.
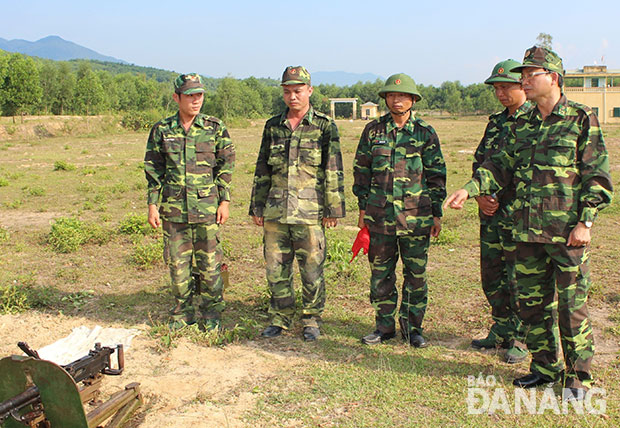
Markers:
587,224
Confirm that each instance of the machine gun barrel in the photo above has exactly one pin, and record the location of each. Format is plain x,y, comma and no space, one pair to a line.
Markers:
29,396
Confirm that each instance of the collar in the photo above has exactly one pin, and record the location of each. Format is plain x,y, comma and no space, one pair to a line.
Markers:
307,117
198,121
390,125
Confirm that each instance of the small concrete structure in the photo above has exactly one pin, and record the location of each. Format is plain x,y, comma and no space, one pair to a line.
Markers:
369,110
333,101
598,91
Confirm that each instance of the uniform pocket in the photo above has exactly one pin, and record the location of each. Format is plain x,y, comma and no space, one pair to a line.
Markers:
171,193
208,192
381,159
277,155
417,206
205,159
172,145
561,152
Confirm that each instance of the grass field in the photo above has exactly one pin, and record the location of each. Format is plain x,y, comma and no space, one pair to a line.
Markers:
72,245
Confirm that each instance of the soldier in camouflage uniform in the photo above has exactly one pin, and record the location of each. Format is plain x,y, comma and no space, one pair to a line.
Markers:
399,180
496,243
558,163
298,191
188,164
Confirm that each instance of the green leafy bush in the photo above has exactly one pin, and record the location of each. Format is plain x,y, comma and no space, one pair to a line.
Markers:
62,165
140,120
4,235
135,224
13,299
68,234
147,254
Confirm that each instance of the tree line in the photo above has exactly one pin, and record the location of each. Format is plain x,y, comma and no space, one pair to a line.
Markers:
36,86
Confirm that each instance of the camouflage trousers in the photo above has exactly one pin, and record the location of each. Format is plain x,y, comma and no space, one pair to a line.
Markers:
544,271
383,254
198,299
497,263
283,242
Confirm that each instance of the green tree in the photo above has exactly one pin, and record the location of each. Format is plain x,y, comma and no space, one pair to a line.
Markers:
20,88
89,94
544,40
66,89
49,84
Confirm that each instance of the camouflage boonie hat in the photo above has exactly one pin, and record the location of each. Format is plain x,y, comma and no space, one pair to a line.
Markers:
501,72
188,84
295,76
400,83
538,56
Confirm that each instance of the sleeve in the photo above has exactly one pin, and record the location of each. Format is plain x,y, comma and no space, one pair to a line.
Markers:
262,176
495,173
362,173
593,163
479,154
225,163
434,172
154,165
334,205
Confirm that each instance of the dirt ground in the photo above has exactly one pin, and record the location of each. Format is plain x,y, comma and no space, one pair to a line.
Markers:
188,386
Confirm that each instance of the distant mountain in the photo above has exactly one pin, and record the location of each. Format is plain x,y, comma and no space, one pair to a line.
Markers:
342,78
54,47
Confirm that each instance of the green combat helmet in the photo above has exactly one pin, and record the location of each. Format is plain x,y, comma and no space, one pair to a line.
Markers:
501,72
295,76
189,84
538,56
400,83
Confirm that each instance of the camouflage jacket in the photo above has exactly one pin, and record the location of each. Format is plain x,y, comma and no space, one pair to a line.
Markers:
399,176
189,172
559,167
492,142
299,176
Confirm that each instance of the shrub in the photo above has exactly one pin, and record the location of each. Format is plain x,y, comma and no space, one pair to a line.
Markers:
4,235
13,299
446,237
36,191
146,255
68,234
140,120
135,224
62,165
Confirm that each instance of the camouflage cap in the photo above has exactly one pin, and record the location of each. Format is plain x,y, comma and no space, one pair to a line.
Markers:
501,72
541,57
189,84
295,76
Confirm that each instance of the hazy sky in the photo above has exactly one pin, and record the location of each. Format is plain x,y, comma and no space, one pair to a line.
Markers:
433,41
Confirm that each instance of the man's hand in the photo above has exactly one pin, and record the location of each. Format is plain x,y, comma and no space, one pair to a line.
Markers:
456,200
360,221
259,221
436,227
153,217
222,212
579,236
488,204
330,222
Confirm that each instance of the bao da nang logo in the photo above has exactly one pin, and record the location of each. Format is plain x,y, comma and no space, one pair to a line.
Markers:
486,396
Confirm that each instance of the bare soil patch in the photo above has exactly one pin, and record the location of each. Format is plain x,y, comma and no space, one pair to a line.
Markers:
187,386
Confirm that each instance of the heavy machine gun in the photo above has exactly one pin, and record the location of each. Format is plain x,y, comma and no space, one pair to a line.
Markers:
40,394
